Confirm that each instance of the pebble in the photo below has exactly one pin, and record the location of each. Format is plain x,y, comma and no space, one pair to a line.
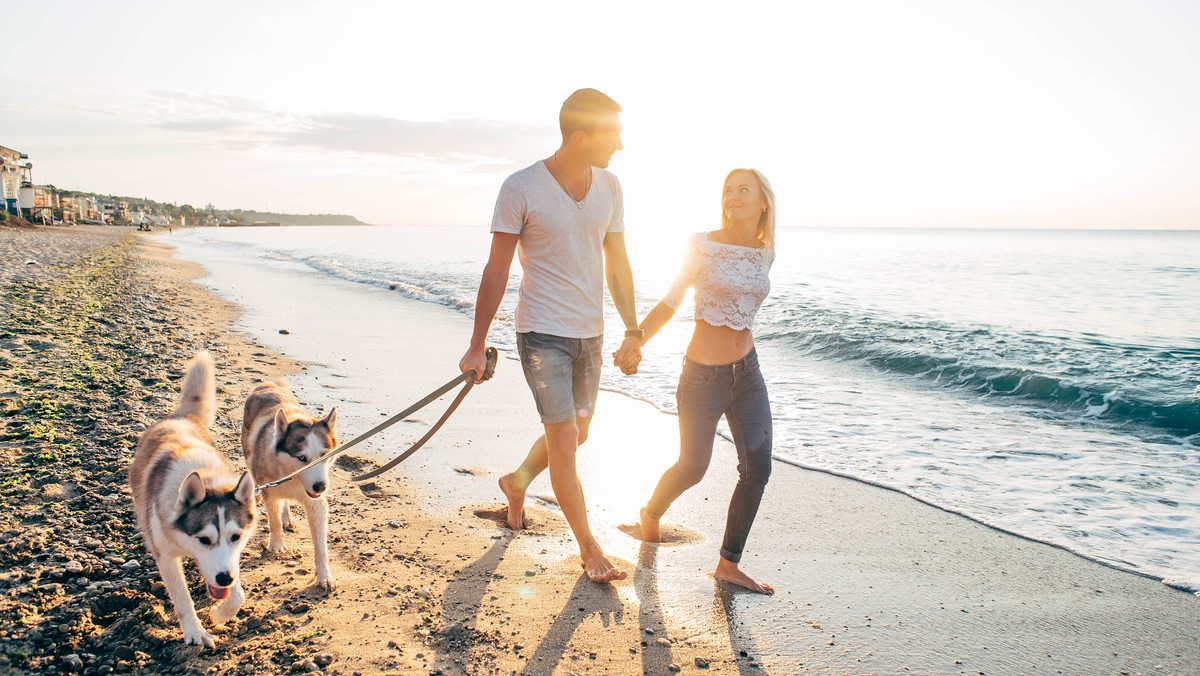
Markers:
663,642
324,659
123,652
424,593
701,663
131,564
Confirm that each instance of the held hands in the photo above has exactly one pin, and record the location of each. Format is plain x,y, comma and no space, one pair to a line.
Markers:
628,356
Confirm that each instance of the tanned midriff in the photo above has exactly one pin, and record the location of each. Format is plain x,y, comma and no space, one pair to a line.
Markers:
716,345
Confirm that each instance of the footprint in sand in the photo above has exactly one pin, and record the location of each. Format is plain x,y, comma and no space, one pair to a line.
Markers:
537,522
671,535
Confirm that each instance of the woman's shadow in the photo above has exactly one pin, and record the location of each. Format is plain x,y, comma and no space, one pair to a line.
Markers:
656,659
742,644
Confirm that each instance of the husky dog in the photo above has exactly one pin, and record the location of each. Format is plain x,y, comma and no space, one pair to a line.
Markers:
190,502
278,438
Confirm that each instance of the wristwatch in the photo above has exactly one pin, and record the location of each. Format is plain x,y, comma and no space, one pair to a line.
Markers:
635,333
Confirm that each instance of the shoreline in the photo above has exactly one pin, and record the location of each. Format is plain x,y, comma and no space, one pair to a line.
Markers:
870,581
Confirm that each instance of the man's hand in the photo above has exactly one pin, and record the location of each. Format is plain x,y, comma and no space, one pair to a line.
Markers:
628,356
476,359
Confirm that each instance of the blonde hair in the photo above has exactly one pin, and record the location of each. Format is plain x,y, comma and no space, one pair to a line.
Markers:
766,222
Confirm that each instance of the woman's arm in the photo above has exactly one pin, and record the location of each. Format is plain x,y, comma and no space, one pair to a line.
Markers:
655,320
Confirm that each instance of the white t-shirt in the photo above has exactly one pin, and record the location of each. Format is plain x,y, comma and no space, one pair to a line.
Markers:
561,249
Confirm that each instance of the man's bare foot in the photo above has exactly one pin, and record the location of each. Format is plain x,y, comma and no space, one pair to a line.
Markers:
727,571
599,568
516,501
648,527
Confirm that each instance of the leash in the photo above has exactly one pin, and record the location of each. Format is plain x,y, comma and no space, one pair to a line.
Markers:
468,376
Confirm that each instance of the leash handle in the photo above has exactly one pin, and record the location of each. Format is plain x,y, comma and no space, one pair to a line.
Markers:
493,358
490,370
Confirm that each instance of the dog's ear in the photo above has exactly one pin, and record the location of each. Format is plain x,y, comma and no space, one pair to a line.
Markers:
244,491
330,418
191,492
280,426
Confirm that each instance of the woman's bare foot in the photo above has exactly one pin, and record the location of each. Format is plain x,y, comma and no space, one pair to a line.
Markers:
648,527
599,568
516,501
727,571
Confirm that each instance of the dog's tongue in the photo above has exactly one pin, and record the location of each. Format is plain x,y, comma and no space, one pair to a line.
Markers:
218,592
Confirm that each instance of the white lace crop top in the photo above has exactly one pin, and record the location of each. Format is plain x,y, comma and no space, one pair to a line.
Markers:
731,281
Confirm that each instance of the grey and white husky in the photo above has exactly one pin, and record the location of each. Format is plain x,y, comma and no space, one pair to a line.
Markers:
190,502
278,438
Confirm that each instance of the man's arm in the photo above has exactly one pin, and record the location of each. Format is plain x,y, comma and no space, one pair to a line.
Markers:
491,292
620,287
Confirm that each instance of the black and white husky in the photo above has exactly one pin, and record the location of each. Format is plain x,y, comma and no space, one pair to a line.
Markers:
190,502
278,438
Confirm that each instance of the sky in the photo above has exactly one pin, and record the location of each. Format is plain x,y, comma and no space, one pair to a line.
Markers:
961,113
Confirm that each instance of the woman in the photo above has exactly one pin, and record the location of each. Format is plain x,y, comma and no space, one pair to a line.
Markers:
729,270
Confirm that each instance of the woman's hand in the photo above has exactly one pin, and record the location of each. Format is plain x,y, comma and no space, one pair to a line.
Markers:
628,356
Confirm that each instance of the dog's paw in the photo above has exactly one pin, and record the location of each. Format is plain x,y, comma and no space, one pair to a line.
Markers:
223,613
326,583
276,547
197,636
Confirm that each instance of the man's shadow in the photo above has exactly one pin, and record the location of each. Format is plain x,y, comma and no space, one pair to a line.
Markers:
465,592
586,598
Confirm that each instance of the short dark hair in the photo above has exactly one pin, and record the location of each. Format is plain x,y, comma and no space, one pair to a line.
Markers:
583,111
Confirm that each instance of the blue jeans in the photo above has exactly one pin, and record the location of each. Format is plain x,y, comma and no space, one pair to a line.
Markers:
705,393
563,374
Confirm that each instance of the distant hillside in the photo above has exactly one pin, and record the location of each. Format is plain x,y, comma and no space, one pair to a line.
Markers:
293,219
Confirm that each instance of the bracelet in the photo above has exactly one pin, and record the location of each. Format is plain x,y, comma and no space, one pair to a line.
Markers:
635,333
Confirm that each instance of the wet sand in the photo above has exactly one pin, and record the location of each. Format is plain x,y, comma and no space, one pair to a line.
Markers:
869,581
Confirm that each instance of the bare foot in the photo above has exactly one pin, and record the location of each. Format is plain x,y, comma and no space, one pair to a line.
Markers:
728,571
516,501
599,568
648,527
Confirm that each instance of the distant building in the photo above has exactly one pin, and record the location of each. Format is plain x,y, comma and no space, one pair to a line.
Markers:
14,173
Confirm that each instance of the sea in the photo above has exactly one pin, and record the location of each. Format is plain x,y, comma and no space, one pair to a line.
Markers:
1043,382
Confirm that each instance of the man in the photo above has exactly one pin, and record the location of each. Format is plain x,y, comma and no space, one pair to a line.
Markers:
564,216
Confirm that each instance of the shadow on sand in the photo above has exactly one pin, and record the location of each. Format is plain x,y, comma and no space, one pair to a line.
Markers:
586,598
741,642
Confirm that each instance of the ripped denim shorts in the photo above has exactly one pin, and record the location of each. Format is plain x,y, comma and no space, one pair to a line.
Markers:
563,374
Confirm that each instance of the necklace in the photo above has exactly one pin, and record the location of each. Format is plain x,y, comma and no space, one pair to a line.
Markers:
587,187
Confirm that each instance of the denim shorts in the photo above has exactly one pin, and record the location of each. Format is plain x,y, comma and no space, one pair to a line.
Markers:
563,374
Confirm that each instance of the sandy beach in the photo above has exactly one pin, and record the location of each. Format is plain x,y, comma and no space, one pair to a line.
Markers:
430,581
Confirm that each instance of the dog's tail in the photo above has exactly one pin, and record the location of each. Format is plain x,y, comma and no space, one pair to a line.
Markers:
198,396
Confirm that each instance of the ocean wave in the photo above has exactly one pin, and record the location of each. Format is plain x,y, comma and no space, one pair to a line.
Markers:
1116,393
